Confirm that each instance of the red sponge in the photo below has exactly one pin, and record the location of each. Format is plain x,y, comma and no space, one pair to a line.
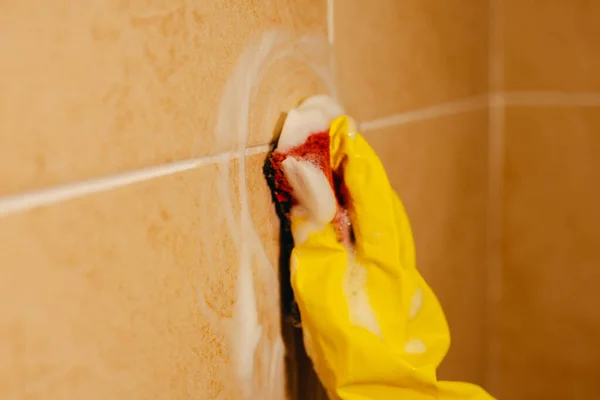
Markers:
316,150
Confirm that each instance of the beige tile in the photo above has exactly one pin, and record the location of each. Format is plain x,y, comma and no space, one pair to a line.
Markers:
90,88
553,46
550,321
120,295
439,169
393,56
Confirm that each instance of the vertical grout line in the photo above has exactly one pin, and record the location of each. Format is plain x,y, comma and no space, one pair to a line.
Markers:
331,40
494,272
330,22
494,265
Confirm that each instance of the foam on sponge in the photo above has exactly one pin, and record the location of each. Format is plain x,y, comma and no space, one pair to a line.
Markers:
300,168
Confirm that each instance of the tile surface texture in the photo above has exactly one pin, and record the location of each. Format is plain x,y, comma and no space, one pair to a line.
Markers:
551,46
123,294
439,169
92,88
131,293
394,56
550,322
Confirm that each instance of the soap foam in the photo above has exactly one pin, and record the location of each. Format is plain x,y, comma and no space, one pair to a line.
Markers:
244,330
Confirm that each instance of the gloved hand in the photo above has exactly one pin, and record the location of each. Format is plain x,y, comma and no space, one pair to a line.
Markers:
372,327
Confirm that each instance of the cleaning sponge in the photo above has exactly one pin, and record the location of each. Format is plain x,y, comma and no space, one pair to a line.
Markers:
300,168
302,181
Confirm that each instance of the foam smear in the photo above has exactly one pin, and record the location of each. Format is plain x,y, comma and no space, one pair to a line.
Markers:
317,204
246,332
355,287
247,329
313,115
311,188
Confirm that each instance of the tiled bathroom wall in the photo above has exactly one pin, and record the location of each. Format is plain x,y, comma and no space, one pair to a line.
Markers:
544,337
131,204
132,200
138,243
415,74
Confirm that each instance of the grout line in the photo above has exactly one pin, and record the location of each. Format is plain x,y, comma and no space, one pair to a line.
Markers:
494,228
253,150
451,108
330,21
552,98
493,99
494,270
495,231
495,48
26,201
496,101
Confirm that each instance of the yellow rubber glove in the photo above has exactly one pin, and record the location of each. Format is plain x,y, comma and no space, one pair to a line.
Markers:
372,327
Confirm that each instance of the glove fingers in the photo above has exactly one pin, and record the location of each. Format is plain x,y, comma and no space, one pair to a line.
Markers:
371,205
318,264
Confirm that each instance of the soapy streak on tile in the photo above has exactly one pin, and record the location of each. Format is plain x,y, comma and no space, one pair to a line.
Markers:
244,330
244,327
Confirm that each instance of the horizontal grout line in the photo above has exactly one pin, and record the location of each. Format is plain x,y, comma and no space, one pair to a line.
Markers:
440,110
26,201
493,99
550,98
496,100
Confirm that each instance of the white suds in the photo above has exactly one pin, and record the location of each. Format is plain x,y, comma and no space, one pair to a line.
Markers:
304,225
416,302
311,188
275,366
244,329
355,285
310,185
317,201
312,116
415,346
247,330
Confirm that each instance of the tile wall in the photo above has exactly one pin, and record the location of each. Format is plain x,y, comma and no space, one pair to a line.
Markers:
543,282
129,204
415,74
